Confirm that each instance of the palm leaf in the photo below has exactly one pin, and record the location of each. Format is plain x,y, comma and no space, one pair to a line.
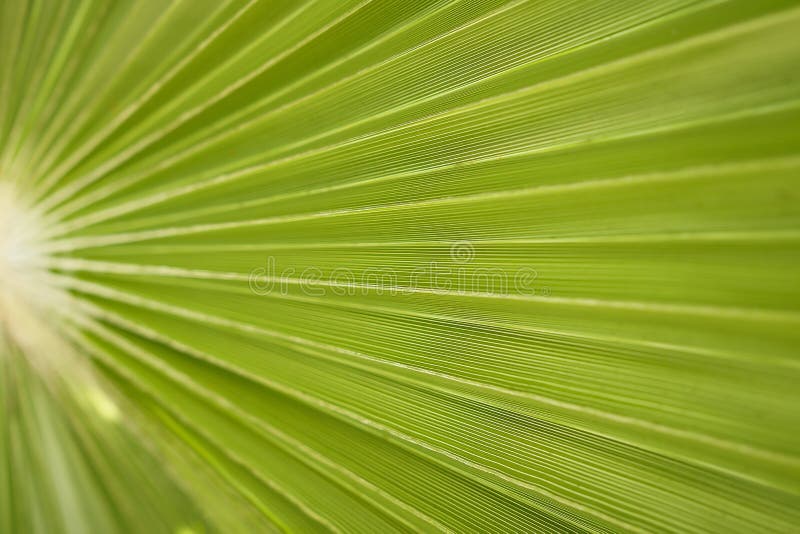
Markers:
380,265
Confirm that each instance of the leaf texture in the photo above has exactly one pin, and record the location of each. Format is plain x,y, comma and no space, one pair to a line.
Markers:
400,265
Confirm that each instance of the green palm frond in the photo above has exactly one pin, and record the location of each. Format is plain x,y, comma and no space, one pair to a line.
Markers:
399,265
